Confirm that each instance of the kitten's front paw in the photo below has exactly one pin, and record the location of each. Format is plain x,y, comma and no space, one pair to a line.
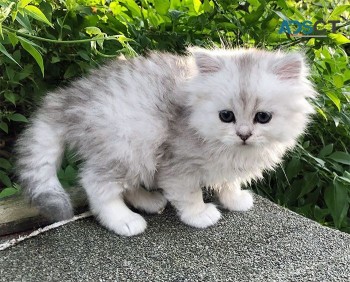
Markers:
240,200
203,219
131,225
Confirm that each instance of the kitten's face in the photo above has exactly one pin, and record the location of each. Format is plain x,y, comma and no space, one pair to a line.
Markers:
249,98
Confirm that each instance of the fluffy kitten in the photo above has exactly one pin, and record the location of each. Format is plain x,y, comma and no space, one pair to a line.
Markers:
214,118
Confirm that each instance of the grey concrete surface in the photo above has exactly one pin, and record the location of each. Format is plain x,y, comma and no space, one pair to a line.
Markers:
268,243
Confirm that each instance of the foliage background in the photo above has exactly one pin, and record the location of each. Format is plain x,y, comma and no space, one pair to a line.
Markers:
47,43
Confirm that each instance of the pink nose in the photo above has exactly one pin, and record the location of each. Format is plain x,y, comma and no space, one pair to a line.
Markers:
244,137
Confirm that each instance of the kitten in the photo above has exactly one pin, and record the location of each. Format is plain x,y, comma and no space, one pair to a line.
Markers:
215,118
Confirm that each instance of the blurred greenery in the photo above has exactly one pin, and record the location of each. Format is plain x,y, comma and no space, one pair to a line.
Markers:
46,43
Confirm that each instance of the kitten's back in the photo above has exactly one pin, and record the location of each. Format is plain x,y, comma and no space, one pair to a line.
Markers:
116,119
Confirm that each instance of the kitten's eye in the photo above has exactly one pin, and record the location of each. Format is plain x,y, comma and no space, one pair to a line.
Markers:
227,116
262,117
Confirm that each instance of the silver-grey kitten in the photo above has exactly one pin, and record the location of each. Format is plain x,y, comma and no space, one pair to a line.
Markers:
214,118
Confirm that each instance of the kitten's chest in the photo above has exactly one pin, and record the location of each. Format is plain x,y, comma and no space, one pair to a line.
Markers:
228,168
218,170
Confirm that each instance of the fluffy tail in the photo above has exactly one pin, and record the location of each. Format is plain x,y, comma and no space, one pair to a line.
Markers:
39,152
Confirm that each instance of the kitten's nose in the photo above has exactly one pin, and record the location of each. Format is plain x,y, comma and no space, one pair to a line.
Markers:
244,137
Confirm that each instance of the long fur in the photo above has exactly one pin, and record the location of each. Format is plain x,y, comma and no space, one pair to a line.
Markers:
153,122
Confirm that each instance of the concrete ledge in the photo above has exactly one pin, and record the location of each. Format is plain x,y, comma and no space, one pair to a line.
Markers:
268,243
16,214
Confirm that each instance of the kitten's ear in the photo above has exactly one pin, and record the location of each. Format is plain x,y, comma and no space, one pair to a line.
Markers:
290,66
205,61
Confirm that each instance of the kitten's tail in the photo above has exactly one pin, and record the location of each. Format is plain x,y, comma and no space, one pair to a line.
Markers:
39,151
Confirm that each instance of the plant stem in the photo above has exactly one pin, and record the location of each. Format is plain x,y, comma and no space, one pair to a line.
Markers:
61,26
7,29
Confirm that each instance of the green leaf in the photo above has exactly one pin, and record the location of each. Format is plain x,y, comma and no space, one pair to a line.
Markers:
197,5
3,50
10,96
70,173
5,179
340,157
116,8
24,22
37,14
5,164
306,144
347,175
4,13
71,5
208,6
28,46
84,55
338,38
319,161
334,98
322,113
10,72
345,179
175,14
320,214
133,7
4,127
55,60
337,11
1,32
67,177
23,3
291,194
93,30
100,40
311,180
327,150
13,38
46,7
31,43
338,80
27,70
337,200
293,168
254,3
71,71
162,6
7,192
282,16
18,117
254,16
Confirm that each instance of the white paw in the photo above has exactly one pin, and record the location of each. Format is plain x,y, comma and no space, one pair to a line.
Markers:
208,216
240,200
131,225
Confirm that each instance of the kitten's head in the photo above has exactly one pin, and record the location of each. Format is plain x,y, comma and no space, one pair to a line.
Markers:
249,98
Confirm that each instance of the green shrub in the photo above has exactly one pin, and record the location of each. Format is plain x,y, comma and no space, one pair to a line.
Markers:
44,44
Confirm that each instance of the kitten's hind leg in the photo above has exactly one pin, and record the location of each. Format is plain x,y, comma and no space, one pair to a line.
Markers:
107,204
187,198
234,199
148,201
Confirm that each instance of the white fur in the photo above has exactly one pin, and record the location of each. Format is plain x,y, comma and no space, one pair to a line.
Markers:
112,212
235,199
201,216
150,202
